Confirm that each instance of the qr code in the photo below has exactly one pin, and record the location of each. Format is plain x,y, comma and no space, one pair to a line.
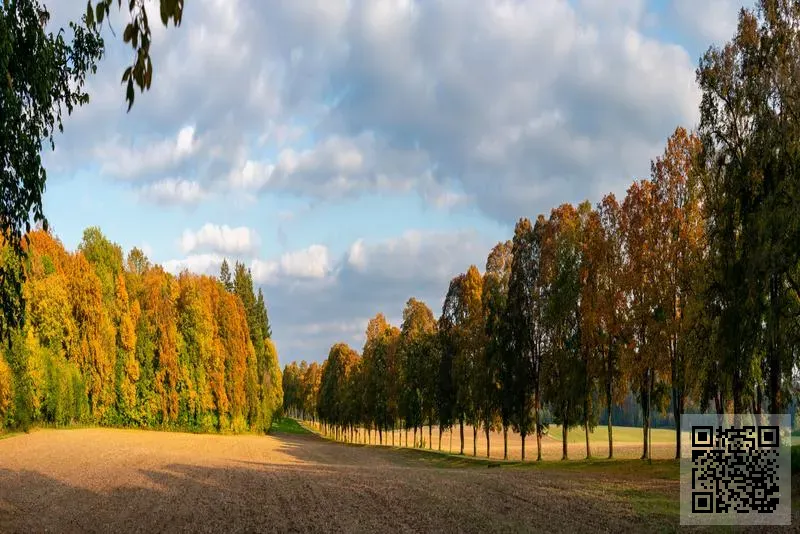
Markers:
736,470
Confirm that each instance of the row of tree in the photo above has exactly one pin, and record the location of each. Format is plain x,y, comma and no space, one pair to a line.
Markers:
687,290
119,341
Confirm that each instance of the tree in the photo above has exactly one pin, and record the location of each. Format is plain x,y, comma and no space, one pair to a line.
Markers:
682,251
448,341
521,380
225,276
610,332
564,369
42,75
492,403
418,357
748,127
644,286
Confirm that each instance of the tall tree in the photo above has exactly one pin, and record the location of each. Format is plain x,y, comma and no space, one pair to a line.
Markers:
416,332
748,128
492,405
521,370
682,251
564,369
610,332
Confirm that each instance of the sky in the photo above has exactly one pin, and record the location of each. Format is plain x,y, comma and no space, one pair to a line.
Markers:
356,153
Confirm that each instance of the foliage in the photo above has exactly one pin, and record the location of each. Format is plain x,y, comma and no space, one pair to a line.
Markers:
125,343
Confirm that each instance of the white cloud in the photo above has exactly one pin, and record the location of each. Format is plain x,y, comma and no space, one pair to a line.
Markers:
196,263
713,21
220,239
309,263
173,191
121,160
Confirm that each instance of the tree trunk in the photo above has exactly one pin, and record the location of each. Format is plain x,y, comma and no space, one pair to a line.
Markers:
677,409
461,430
505,442
564,450
645,412
586,426
488,449
440,438
775,400
430,435
538,423
474,441
523,446
451,440
415,436
609,401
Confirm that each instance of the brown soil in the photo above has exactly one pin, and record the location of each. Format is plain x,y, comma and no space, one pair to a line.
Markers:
103,480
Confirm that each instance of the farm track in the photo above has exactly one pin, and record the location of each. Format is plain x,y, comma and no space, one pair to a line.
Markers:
105,480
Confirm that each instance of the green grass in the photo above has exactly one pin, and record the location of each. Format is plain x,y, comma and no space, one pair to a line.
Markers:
287,426
622,434
659,469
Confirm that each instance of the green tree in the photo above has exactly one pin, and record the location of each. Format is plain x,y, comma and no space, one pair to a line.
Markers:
42,75
748,129
493,410
520,377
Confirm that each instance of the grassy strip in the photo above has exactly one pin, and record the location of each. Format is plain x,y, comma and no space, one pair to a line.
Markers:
287,425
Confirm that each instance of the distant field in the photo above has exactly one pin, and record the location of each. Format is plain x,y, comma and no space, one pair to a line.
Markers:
627,442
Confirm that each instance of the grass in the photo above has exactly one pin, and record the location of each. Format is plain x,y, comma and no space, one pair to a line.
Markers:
659,469
622,434
287,426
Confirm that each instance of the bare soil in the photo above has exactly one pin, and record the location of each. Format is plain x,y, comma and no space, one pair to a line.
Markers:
105,480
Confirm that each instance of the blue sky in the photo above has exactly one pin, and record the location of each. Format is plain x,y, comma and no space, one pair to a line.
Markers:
357,153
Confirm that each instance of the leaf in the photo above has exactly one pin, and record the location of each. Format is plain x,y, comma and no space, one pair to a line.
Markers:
130,94
100,12
126,74
89,14
128,33
148,77
164,13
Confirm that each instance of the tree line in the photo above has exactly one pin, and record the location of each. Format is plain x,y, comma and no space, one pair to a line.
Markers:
686,291
118,341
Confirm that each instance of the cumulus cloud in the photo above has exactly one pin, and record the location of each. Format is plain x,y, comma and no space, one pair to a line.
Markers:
173,191
309,263
712,21
220,239
196,263
132,162
514,106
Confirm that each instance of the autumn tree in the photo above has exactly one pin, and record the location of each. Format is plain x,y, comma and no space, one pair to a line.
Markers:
492,402
682,248
416,351
646,361
608,320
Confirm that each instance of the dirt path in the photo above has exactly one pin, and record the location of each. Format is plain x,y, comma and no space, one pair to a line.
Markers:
103,480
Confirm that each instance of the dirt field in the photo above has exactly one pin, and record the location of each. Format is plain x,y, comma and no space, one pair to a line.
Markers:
103,480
